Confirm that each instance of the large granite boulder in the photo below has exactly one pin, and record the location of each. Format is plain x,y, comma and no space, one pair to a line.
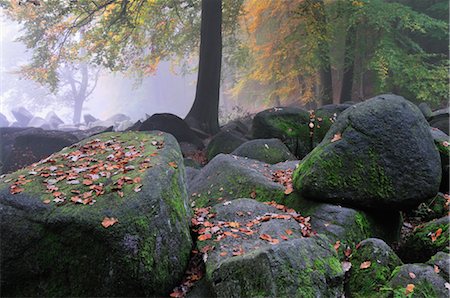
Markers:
174,125
442,142
270,151
372,265
261,251
290,125
426,240
440,120
23,146
378,154
224,142
22,115
53,120
424,280
39,122
227,177
106,217
3,121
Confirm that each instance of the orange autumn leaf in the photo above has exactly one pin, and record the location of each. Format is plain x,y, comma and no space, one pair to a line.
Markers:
409,289
253,194
337,245
289,232
87,182
288,190
204,237
109,221
265,237
435,235
173,164
365,265
46,201
336,137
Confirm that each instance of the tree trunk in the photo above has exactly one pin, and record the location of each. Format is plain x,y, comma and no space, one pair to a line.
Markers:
77,109
326,85
204,113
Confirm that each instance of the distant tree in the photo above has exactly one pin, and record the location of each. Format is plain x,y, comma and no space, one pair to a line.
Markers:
345,50
123,35
77,83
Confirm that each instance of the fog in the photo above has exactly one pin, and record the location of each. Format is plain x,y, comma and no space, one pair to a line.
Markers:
166,91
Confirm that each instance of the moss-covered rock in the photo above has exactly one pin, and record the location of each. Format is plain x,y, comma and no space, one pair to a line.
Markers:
427,283
55,237
323,118
426,240
368,282
224,142
227,177
442,141
378,154
441,264
433,208
294,267
290,125
270,151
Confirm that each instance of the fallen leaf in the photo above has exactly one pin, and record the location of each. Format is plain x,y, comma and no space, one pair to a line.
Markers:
223,253
435,235
336,137
365,265
204,237
289,232
337,245
253,194
288,190
173,164
87,182
409,289
436,269
109,221
447,285
46,201
412,275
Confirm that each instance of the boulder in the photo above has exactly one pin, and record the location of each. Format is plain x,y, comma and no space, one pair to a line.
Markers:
24,146
270,151
440,120
441,264
426,240
3,121
426,110
227,177
224,142
255,261
290,125
236,126
97,219
124,125
427,283
368,281
53,119
39,122
82,134
378,154
346,225
174,125
22,115
323,118
433,208
88,118
442,141
118,118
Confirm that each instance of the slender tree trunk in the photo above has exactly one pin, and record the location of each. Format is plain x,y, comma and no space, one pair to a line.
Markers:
326,83
204,113
77,109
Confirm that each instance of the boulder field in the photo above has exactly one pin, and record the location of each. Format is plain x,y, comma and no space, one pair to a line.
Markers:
124,214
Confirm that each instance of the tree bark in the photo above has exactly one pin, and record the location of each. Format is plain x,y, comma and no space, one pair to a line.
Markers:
204,113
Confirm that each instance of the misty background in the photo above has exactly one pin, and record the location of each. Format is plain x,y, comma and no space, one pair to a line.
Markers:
168,90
